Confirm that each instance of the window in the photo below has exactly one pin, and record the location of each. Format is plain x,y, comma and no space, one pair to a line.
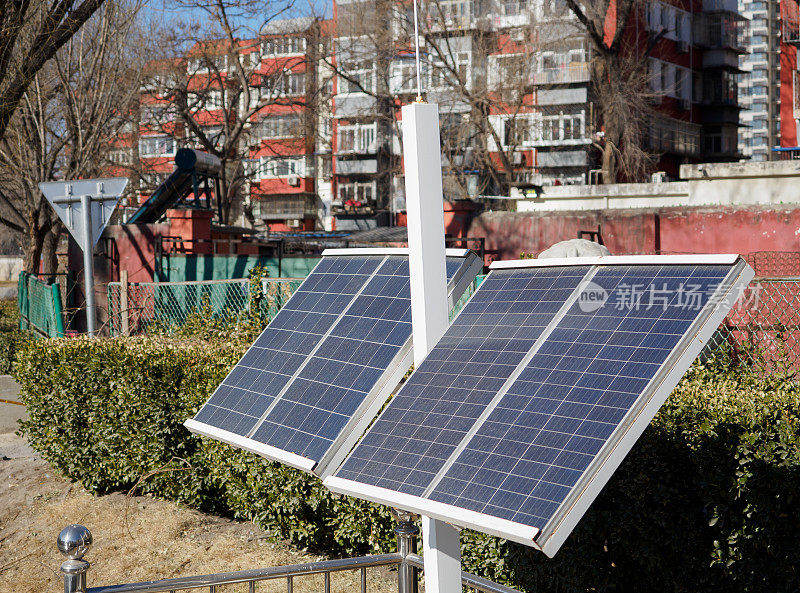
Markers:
283,84
564,126
280,126
154,114
452,11
119,157
208,64
796,93
516,132
214,134
279,46
514,7
327,167
214,99
359,76
443,74
356,191
404,76
153,179
282,166
357,138
511,69
150,146
251,168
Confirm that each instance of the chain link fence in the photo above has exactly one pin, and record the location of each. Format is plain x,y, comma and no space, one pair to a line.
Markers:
149,307
763,330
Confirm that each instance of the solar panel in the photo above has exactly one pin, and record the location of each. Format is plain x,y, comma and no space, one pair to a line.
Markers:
327,361
520,440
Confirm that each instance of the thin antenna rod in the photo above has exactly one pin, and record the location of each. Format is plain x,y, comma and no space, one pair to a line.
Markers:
416,53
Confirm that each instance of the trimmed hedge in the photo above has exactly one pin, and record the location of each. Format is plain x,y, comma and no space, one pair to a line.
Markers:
708,500
11,337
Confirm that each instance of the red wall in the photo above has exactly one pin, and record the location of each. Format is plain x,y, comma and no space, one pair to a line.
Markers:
668,230
788,64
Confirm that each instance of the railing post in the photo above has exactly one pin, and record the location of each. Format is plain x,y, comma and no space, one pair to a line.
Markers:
407,533
73,542
123,303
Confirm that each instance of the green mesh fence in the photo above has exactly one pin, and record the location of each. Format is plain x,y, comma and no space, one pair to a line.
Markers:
146,307
39,305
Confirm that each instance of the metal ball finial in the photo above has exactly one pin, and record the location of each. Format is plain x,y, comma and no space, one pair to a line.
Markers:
74,541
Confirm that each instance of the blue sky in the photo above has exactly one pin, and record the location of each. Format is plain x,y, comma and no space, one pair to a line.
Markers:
167,10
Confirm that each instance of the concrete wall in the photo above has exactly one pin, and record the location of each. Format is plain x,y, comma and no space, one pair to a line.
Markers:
716,184
10,267
721,207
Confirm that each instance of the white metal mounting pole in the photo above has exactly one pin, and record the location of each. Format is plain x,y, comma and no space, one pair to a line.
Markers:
88,263
429,315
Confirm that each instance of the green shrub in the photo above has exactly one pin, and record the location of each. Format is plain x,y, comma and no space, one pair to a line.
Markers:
706,501
11,337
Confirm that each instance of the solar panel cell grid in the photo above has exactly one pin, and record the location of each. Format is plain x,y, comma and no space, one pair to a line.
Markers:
553,421
247,392
348,363
439,403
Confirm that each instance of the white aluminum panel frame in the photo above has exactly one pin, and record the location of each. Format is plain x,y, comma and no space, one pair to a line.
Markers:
374,400
619,260
248,444
550,539
517,532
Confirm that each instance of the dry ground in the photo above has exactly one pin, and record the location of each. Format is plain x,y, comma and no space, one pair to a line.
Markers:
135,539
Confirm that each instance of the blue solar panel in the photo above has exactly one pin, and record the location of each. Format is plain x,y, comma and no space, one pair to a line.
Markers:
442,399
341,334
244,396
573,394
530,390
348,363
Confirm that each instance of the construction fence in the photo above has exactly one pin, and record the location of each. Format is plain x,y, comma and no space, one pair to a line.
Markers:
40,309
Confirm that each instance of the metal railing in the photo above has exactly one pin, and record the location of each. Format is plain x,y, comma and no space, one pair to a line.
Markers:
74,542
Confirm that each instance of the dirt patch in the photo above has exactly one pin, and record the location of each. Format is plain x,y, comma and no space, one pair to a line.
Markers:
135,538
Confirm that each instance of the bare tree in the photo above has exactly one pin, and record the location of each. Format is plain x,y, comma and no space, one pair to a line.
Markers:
481,79
219,90
31,32
65,125
620,80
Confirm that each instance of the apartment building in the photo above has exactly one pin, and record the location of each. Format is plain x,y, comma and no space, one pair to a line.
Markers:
265,130
512,79
321,140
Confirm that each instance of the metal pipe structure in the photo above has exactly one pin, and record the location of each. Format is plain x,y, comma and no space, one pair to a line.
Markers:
407,532
88,264
75,540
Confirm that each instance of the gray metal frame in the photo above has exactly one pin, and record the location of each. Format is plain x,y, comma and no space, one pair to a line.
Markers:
75,541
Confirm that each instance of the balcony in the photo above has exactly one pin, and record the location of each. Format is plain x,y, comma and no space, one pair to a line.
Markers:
721,31
285,207
790,22
574,72
356,167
